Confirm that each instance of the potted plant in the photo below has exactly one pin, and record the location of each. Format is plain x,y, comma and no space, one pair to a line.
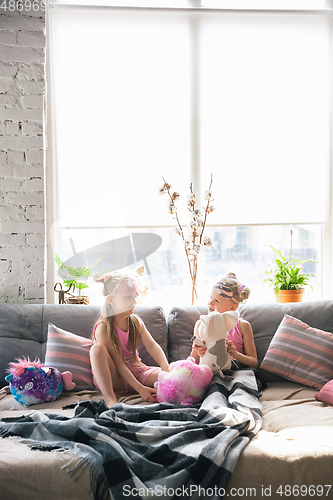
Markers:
76,279
287,276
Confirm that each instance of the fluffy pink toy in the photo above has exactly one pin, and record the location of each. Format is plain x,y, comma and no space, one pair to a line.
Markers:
185,384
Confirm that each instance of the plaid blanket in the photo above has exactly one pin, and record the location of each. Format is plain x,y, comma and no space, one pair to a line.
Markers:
155,450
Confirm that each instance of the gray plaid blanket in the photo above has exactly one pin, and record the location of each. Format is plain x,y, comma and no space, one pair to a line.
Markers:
153,451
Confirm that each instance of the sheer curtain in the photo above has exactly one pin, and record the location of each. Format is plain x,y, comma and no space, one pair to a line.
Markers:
265,115
142,94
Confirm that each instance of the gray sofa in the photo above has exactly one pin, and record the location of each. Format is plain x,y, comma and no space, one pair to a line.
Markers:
293,449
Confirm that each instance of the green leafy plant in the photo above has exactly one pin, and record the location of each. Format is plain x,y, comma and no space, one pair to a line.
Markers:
76,275
287,274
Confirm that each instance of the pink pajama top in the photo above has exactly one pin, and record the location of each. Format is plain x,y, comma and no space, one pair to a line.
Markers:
235,335
139,370
123,342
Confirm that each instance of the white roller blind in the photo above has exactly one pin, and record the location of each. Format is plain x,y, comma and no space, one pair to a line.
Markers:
126,113
265,115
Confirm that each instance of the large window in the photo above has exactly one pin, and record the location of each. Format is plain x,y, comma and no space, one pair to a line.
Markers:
142,94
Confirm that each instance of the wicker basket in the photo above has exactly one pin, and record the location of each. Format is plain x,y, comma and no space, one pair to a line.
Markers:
76,299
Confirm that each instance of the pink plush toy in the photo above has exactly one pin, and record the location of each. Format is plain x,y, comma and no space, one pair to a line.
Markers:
185,384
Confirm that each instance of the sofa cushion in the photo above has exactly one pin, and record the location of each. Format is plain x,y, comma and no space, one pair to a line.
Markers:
76,318
20,334
67,351
80,319
181,321
265,319
24,328
155,322
300,353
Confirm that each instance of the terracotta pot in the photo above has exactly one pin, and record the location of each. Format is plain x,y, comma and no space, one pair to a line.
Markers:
284,296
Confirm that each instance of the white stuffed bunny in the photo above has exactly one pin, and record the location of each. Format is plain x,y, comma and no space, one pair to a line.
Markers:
211,332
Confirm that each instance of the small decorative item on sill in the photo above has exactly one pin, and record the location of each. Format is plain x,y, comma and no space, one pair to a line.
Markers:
77,299
61,293
72,299
77,278
287,277
195,241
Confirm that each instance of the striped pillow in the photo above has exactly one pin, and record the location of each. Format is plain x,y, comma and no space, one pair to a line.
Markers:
300,353
67,351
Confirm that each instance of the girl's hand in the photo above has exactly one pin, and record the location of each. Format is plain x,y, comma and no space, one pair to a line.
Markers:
231,349
148,394
199,349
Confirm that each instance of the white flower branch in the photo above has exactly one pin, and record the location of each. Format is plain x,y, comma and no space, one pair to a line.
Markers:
194,243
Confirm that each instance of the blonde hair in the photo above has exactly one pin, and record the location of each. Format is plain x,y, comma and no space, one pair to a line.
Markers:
239,291
111,282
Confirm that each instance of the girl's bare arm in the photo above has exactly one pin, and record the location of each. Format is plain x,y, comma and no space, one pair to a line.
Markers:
249,357
153,348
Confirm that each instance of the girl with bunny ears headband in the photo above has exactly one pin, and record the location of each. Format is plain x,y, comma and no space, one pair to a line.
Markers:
115,361
226,295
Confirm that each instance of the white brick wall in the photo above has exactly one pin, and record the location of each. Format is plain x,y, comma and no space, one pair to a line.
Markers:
22,195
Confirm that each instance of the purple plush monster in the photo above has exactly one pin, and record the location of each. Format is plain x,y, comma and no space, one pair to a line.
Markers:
32,383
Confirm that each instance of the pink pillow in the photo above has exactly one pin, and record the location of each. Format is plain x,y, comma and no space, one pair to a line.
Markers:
67,351
326,393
